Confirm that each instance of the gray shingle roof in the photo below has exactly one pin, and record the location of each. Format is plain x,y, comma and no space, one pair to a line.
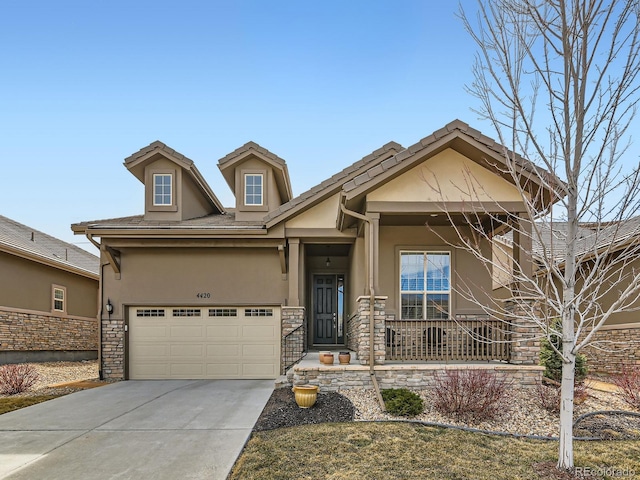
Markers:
553,237
334,181
17,236
138,221
158,146
248,146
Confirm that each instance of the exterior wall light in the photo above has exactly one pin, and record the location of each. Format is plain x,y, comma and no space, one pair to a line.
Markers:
109,307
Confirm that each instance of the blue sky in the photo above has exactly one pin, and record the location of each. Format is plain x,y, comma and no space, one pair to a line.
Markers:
321,84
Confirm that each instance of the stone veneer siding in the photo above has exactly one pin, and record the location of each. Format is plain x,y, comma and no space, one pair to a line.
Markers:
624,349
44,332
113,348
358,330
525,334
336,377
292,318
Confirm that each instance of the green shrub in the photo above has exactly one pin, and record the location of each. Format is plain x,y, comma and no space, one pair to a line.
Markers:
552,362
402,402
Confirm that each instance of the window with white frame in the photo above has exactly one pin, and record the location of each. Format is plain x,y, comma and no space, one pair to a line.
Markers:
59,298
425,285
253,189
162,189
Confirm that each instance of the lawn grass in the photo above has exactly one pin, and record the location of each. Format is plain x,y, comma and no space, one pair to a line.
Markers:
397,450
8,404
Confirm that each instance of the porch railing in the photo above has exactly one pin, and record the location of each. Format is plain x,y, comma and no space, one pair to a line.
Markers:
292,348
461,339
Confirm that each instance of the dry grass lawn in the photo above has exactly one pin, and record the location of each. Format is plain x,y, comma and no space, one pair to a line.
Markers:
8,404
406,451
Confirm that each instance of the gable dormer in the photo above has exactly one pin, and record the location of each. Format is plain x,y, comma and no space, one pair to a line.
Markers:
258,179
174,188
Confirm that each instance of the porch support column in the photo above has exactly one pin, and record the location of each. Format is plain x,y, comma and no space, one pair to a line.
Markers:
358,330
525,334
294,269
375,231
522,254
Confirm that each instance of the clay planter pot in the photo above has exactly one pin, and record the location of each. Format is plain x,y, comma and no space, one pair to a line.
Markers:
328,359
306,395
345,358
321,356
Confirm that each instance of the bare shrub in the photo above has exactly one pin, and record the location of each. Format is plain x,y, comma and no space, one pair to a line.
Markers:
470,395
628,381
17,378
548,396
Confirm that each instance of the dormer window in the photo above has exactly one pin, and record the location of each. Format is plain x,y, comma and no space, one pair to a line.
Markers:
162,189
253,189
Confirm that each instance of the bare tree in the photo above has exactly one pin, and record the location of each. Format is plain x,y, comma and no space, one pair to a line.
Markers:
558,80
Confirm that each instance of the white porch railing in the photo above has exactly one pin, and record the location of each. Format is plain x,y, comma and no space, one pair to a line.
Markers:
472,338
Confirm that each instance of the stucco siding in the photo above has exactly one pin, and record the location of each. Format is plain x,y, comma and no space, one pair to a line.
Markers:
447,176
26,284
466,271
175,276
322,215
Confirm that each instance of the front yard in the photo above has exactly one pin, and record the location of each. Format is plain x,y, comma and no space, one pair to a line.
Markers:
396,450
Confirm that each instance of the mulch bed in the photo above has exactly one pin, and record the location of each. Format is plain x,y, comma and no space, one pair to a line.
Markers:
282,410
609,426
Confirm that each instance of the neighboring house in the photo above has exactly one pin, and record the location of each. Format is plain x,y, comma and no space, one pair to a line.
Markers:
191,289
618,341
48,297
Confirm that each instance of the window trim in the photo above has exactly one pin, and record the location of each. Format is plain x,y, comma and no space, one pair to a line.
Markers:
153,186
244,183
62,289
150,174
425,291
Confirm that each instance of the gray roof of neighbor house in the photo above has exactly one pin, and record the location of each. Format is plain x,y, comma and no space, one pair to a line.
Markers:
552,237
27,242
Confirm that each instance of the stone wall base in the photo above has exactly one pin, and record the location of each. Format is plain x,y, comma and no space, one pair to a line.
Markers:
42,356
336,377
26,332
622,348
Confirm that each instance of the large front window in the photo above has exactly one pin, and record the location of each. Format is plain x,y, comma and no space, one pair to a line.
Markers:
425,285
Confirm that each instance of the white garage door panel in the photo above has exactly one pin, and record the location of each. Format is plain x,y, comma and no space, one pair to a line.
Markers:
258,350
228,331
150,370
154,332
258,369
223,350
191,345
186,350
224,370
258,331
178,332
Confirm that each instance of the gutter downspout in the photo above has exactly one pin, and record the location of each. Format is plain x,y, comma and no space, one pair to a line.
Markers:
100,296
372,300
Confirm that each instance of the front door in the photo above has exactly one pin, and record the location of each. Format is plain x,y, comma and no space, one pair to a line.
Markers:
328,300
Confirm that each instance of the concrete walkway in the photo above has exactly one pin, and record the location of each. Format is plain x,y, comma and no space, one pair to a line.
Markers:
180,429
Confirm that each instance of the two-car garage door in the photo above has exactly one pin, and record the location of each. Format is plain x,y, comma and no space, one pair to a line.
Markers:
204,342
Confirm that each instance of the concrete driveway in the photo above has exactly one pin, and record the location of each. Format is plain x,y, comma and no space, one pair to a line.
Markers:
178,429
